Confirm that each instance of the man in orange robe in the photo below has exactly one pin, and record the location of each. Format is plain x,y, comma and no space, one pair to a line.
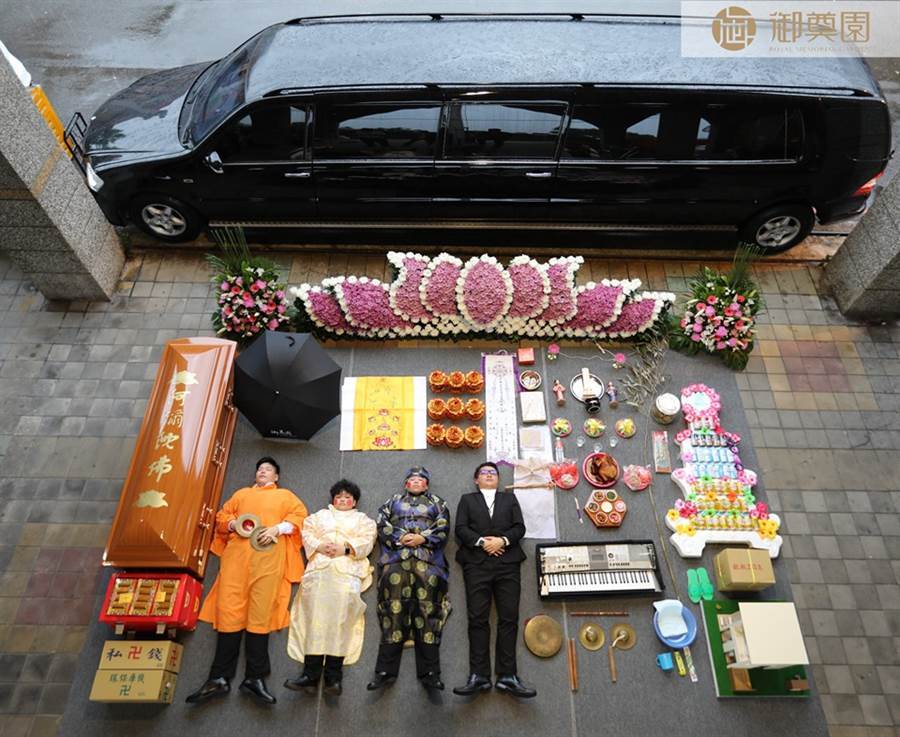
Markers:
253,589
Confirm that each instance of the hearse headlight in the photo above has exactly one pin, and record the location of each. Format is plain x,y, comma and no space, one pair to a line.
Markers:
93,181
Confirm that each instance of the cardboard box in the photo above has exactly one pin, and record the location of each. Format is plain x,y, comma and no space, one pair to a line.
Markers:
744,569
134,686
141,655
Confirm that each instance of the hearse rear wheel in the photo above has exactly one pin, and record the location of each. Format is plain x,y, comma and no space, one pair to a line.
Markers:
166,218
779,228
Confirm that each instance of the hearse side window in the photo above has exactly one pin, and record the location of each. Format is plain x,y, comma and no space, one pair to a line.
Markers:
376,131
267,133
488,130
747,133
616,132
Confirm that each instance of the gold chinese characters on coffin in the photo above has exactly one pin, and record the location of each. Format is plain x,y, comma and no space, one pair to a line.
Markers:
166,509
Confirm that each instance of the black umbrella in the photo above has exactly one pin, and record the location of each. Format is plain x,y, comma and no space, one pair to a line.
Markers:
287,385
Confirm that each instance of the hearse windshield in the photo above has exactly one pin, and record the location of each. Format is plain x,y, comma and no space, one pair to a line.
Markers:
223,91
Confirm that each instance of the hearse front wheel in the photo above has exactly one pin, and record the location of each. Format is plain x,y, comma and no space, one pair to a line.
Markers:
779,228
166,218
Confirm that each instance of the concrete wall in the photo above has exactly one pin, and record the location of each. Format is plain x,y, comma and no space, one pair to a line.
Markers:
864,275
50,225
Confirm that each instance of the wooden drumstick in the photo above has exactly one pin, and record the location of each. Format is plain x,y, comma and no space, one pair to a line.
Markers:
573,665
599,613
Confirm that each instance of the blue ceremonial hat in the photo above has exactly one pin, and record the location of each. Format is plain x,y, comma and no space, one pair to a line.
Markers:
418,471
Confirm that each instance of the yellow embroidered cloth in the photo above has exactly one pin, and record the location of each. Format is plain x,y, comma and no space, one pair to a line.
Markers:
383,413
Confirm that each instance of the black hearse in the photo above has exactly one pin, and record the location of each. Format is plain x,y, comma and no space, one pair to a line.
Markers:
525,121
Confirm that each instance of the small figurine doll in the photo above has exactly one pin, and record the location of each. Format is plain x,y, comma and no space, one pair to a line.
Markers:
559,390
613,395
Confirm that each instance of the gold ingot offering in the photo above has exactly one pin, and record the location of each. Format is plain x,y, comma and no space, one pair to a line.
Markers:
623,635
256,544
543,636
591,636
246,524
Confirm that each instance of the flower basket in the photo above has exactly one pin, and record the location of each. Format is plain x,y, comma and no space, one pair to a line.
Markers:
250,297
720,316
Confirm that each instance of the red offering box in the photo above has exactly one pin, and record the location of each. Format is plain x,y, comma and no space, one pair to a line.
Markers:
525,356
151,602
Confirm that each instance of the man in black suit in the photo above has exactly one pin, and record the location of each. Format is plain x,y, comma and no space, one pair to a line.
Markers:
489,527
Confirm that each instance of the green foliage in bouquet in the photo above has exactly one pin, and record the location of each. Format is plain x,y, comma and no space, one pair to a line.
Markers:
250,297
720,317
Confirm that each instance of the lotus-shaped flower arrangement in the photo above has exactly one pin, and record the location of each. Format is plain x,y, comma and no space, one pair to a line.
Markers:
442,296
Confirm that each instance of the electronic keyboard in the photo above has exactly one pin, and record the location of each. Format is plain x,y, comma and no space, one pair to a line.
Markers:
627,567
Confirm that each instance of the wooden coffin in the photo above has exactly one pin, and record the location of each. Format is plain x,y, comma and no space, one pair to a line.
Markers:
170,497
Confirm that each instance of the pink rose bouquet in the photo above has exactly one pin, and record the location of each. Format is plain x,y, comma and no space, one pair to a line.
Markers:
250,298
720,316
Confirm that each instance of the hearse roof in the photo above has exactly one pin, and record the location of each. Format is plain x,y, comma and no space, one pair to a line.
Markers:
372,50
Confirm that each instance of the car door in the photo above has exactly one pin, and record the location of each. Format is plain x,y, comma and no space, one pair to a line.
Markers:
498,160
374,156
258,166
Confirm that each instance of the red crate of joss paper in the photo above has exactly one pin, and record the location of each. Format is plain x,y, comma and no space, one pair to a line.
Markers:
144,601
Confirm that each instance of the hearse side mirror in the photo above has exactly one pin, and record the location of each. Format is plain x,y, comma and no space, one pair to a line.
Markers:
214,162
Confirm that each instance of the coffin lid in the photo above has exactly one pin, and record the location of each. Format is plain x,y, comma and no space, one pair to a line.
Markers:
167,494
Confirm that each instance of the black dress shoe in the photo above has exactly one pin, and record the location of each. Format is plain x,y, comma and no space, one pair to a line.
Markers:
256,687
432,681
380,681
302,683
513,686
475,684
213,687
333,689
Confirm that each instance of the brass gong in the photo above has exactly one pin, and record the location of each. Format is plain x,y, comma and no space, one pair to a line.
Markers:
543,636
626,633
591,636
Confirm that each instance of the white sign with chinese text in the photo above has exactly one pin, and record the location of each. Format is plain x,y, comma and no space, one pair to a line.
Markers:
802,29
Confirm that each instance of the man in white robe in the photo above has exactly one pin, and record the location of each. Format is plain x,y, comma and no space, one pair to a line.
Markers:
328,613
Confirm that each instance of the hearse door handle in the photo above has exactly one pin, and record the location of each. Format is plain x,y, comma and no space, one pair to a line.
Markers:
297,174
538,174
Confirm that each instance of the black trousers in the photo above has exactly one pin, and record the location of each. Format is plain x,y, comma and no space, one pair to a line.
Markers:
428,658
500,583
228,648
313,665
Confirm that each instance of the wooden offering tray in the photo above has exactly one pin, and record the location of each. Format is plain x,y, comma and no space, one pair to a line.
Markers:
606,508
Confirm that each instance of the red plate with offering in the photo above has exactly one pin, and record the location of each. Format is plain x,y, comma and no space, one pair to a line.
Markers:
564,475
600,470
